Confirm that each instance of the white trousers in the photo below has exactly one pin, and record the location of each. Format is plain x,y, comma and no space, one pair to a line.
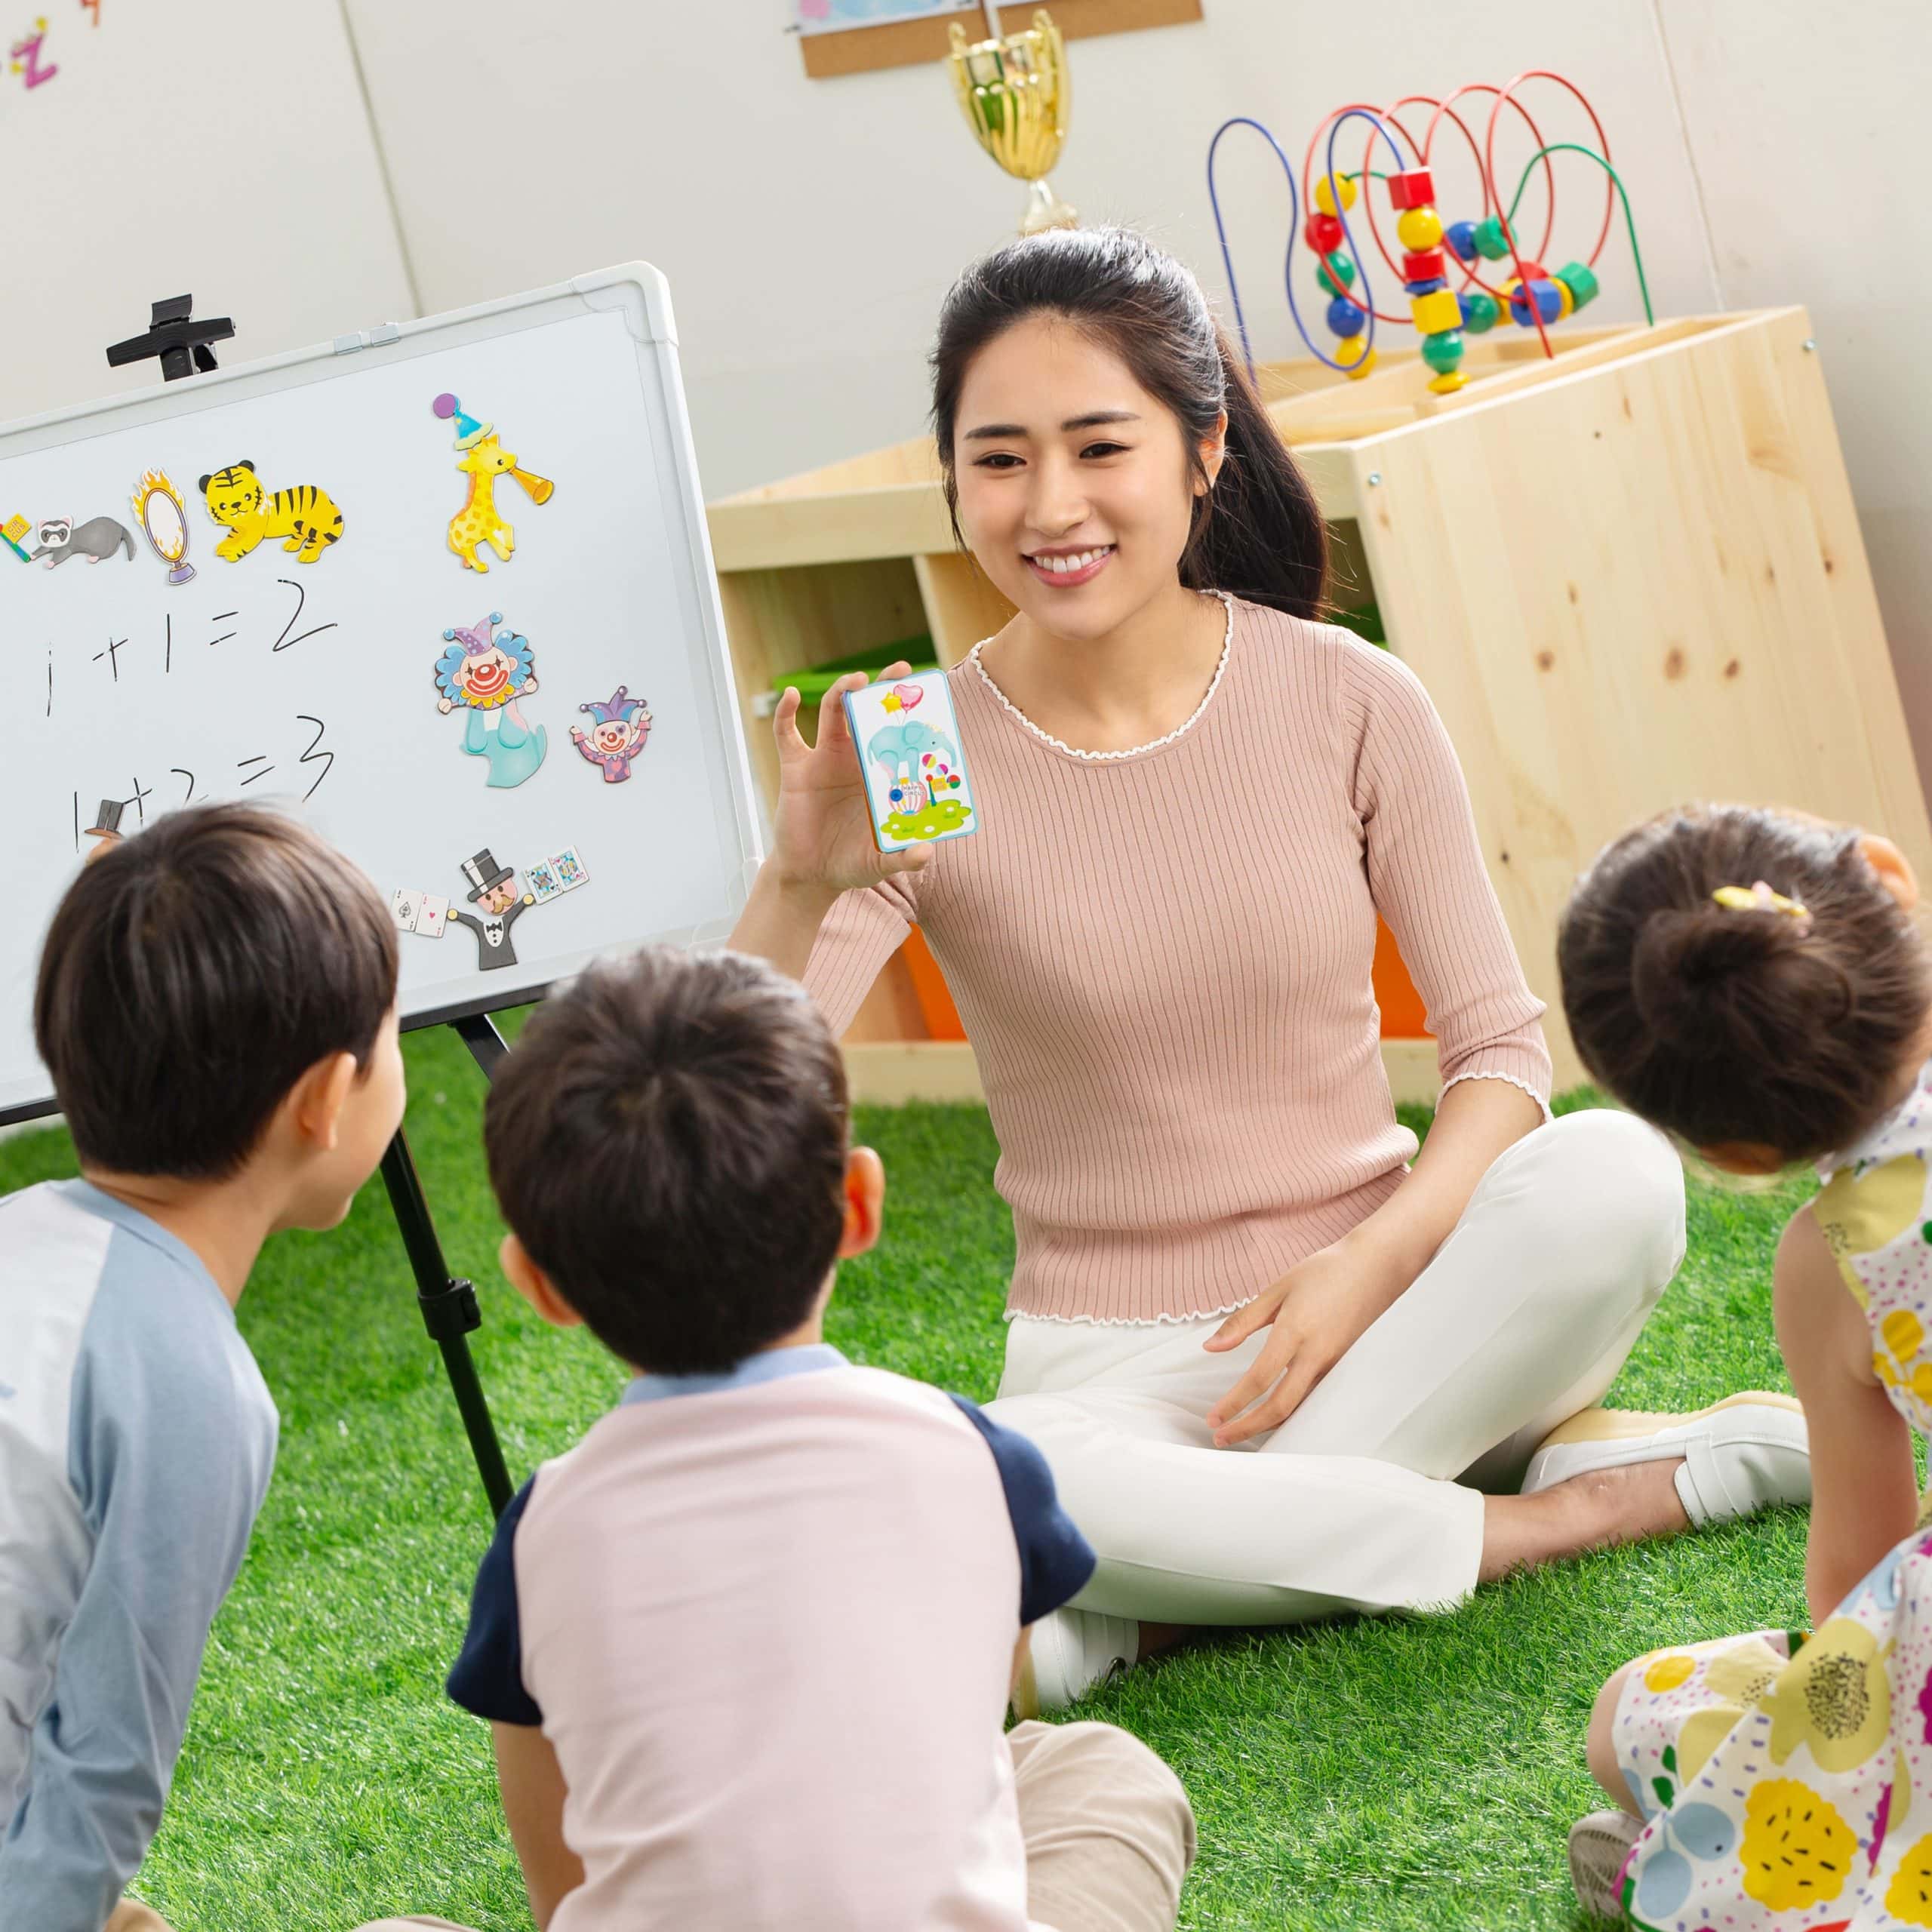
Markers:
1524,1317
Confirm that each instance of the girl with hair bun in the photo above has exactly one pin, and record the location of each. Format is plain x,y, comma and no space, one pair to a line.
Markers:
1278,1372
1754,983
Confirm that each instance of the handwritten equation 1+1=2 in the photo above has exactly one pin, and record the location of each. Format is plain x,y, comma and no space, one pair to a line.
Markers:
312,754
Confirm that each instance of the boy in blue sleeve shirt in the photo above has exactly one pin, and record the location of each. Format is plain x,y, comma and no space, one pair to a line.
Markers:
216,1006
746,1650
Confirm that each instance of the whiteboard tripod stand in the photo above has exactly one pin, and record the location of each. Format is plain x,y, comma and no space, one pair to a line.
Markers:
448,1301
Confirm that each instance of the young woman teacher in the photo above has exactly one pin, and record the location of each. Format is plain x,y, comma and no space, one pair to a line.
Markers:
1257,1348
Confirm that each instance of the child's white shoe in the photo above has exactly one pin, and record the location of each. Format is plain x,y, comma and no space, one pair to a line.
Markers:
1745,1452
1599,1849
1069,1652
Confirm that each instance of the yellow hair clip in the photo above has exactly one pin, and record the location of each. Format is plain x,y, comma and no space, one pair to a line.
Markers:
1760,898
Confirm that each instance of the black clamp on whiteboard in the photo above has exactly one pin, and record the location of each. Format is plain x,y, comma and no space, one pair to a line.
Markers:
181,342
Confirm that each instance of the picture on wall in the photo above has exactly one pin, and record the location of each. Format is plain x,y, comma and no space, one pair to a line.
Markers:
832,16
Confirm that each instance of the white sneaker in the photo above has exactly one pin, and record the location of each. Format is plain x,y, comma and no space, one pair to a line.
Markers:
1743,1453
1599,1849
1069,1652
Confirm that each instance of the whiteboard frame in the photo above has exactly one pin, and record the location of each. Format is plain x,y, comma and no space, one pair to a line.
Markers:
641,294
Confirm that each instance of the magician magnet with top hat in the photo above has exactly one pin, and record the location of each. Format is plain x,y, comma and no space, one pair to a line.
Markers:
493,891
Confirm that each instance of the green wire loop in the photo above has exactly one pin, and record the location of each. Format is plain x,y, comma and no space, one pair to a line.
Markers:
1629,221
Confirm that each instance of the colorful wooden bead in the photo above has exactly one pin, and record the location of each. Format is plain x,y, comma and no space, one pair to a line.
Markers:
1424,265
1325,195
1580,282
1345,318
1449,382
1415,188
1549,304
1324,233
1335,273
1566,302
1443,351
1412,289
1355,355
1434,313
1461,236
1479,311
1419,228
1492,239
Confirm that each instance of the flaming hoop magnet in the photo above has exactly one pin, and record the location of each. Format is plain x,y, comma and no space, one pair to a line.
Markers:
164,520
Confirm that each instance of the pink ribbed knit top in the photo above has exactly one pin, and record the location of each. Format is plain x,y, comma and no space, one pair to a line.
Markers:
1162,957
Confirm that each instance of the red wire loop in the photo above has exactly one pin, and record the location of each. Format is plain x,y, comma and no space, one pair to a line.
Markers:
1484,155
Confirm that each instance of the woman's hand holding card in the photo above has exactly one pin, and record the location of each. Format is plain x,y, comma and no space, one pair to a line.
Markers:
823,828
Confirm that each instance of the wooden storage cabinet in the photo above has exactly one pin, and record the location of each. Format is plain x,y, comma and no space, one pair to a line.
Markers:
1629,577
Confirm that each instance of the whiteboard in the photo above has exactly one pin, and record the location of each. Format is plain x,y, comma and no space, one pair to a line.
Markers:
314,684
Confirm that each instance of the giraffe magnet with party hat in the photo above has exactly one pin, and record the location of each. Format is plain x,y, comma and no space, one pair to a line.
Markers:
481,455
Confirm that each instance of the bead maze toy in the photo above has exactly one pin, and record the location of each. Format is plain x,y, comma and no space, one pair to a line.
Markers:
1444,269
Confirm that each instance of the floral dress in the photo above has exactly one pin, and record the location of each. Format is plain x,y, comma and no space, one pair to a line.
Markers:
1786,1780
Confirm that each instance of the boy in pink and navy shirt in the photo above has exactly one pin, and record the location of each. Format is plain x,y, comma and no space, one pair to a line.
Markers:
747,1650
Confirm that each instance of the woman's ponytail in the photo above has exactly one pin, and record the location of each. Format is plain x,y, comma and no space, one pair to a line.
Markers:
1259,533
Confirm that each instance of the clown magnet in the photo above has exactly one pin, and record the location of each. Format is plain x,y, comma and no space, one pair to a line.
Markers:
619,725
486,674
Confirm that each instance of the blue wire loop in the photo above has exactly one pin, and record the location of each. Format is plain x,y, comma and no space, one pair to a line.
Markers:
1294,231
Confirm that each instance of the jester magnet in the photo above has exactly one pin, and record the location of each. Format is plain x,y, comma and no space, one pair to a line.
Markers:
619,725
484,675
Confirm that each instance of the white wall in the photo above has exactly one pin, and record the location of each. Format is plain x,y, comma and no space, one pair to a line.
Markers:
220,148
1805,143
809,227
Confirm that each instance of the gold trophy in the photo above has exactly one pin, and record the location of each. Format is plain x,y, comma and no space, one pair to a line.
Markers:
1015,92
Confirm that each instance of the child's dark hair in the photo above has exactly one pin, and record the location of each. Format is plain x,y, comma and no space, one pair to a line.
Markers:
668,1141
1259,533
1728,1025
193,974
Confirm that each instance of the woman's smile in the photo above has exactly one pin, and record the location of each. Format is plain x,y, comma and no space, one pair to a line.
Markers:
1063,567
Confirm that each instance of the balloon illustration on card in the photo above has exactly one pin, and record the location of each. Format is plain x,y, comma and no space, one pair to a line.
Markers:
914,770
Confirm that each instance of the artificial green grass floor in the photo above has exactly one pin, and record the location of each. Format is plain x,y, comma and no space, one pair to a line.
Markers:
1410,1773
